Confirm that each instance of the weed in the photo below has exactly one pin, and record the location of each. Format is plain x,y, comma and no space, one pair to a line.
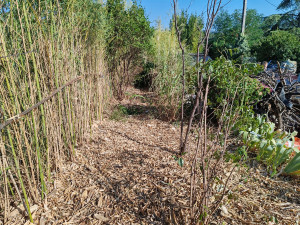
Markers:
120,113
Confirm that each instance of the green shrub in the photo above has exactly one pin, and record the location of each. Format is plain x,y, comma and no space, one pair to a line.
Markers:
128,38
232,87
279,45
120,113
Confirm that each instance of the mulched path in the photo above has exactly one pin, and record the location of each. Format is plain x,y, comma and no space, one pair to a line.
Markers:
125,174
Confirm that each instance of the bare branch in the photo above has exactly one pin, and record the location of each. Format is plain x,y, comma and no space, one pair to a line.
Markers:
182,149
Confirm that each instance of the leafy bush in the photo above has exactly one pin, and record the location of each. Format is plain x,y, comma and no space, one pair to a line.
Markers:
227,32
119,113
230,83
279,45
128,37
232,86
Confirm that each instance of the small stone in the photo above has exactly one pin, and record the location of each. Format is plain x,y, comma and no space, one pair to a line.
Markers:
84,194
101,217
224,211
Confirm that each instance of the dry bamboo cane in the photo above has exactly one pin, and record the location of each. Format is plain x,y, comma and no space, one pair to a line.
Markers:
17,117
37,82
5,199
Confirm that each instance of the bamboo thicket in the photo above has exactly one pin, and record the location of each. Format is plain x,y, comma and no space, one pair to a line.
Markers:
43,45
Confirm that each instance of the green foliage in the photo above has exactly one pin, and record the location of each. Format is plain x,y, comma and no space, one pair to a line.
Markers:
167,82
128,37
135,96
293,167
279,45
287,4
295,31
90,16
190,27
194,31
271,22
167,61
231,85
227,29
238,155
242,54
179,160
119,113
285,21
270,145
292,17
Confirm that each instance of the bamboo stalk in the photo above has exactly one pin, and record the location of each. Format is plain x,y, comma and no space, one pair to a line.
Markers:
36,56
44,190
5,183
17,117
26,203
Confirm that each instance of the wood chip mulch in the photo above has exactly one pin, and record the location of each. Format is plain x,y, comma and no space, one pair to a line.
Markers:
125,174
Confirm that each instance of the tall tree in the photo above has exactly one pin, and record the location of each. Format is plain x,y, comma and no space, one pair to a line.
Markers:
128,37
293,6
287,4
227,29
190,27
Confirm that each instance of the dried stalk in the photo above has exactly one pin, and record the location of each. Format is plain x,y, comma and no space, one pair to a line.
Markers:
4,175
50,52
5,164
17,117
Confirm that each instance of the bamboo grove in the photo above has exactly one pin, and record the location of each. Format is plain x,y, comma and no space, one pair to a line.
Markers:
43,45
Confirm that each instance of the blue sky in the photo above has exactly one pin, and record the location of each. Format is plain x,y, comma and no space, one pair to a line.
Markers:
162,9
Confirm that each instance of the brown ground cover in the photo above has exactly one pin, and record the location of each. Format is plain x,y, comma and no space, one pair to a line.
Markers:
125,174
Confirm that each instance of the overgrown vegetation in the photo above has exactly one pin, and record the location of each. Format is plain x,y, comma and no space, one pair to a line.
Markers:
103,48
127,41
279,45
166,82
232,81
191,27
43,46
230,92
268,38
